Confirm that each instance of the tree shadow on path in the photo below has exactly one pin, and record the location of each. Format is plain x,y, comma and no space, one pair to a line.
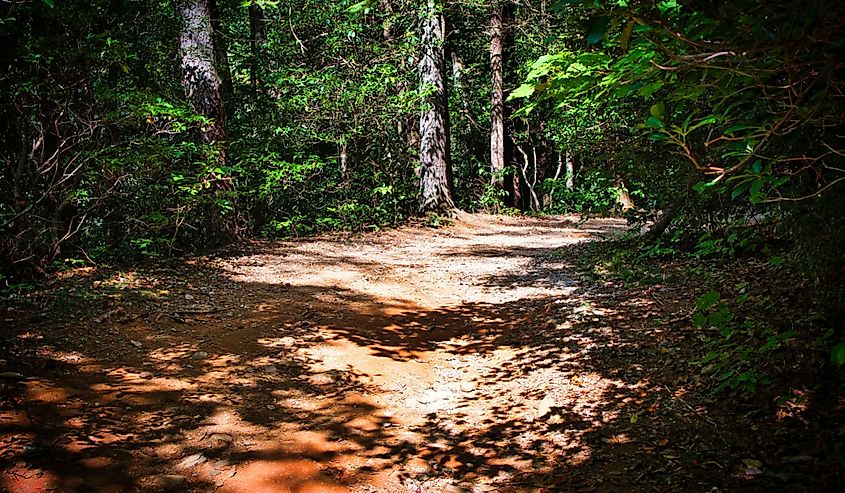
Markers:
286,386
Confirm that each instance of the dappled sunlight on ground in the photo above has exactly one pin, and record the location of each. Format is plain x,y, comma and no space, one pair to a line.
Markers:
468,359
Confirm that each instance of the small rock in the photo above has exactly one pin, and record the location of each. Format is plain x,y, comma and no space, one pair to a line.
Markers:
453,488
136,343
467,386
189,297
271,407
321,379
752,463
191,461
223,437
145,375
270,369
170,482
199,355
287,341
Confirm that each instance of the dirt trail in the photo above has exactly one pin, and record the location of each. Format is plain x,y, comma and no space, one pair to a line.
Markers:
471,358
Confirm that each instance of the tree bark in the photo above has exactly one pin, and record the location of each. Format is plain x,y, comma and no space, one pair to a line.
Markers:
501,145
200,79
497,100
570,171
662,223
204,92
221,53
258,39
435,167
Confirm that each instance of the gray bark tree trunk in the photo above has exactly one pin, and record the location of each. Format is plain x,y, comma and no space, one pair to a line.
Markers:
497,100
501,145
570,172
204,92
435,167
200,79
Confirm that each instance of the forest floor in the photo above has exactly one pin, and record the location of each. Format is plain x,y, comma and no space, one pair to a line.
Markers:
473,358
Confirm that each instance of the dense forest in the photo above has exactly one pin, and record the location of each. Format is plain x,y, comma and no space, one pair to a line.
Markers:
138,129
157,132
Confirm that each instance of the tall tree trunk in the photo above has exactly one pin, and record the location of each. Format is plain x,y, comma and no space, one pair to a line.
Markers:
221,53
497,100
258,39
457,78
204,91
435,167
200,79
570,171
501,146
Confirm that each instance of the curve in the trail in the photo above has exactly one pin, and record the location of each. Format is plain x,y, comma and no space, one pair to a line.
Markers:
415,360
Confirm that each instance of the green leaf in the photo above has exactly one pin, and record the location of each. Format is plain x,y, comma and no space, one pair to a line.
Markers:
363,6
715,319
654,122
49,3
756,191
668,6
708,299
658,110
776,261
837,354
651,88
523,91
740,188
598,30
730,131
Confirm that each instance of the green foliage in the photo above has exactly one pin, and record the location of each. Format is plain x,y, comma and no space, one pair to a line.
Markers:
434,220
727,246
712,313
737,356
594,192
10,288
721,89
